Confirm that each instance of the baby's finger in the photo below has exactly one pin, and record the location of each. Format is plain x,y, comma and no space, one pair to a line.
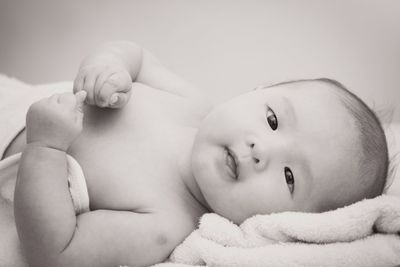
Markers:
66,99
117,83
98,97
88,86
80,99
79,119
118,100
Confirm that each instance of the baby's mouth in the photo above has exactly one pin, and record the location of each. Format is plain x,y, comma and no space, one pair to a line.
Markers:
232,163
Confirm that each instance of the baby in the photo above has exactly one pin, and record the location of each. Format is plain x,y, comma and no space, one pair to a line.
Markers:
156,158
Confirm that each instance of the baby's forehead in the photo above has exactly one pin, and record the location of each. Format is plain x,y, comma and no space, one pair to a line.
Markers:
323,122
307,86
316,106
306,92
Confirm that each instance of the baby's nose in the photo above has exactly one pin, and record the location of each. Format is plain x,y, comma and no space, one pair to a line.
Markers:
257,154
253,154
262,151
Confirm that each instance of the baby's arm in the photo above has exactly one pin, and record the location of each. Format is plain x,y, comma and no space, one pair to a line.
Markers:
50,233
44,214
113,66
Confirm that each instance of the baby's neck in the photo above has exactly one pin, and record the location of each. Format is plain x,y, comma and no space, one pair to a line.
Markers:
185,168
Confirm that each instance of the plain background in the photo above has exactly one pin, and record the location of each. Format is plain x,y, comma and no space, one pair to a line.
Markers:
223,47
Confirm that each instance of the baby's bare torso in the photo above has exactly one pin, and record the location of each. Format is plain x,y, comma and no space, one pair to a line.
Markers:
129,155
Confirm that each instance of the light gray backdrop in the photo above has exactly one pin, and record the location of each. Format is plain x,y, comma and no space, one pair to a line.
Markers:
224,47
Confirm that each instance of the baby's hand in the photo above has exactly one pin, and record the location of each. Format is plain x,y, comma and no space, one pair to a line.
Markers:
106,84
55,121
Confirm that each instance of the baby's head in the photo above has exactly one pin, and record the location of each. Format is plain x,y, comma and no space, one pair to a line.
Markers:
305,145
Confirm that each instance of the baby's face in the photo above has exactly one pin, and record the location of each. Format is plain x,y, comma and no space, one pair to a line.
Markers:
284,148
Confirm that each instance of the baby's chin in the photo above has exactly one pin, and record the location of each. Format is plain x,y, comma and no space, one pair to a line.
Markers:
227,205
234,215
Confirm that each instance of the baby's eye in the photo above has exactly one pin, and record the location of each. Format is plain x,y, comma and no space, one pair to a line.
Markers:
271,119
289,179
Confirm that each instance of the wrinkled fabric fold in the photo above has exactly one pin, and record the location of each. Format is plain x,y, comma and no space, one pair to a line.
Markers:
366,233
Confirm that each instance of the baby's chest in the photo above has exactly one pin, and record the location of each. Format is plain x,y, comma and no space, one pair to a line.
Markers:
127,156
125,170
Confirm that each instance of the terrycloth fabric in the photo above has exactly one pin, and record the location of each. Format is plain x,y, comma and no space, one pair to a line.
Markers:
366,233
76,181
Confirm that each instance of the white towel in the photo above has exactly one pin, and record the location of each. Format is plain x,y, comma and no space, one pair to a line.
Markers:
76,182
366,233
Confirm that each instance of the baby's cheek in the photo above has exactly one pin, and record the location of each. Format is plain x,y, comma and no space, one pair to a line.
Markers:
268,196
161,239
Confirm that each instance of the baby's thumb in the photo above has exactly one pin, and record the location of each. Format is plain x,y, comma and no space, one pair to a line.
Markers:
119,100
80,99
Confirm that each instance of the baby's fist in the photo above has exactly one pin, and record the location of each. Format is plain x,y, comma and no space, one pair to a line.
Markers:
55,121
107,85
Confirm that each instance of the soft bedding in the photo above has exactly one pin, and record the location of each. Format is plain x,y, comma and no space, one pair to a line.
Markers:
366,233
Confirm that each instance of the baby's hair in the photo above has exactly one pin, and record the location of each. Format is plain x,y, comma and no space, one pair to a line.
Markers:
374,161
374,157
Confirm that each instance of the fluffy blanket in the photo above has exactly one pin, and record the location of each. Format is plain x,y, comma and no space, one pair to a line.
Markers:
366,233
